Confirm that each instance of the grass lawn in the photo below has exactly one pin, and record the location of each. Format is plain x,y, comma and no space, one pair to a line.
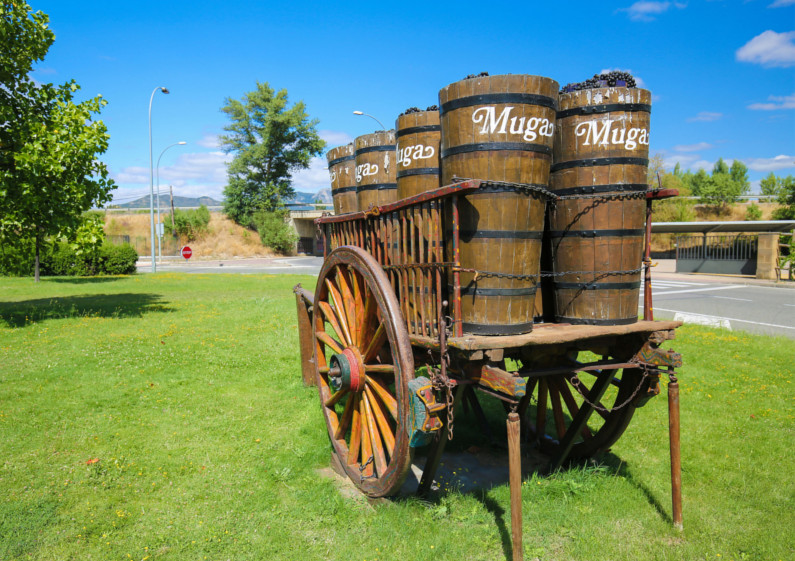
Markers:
163,417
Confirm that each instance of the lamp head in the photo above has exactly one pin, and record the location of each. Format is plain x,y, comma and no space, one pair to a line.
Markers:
164,90
358,113
182,142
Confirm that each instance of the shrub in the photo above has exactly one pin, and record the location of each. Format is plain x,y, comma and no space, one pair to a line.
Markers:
119,259
189,224
753,212
274,231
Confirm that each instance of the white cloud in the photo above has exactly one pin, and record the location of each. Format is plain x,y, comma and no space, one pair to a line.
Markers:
782,3
314,178
335,138
645,10
195,174
209,141
775,102
692,147
771,164
705,116
769,49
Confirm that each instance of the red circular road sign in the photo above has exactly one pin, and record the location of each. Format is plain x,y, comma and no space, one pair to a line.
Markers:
186,252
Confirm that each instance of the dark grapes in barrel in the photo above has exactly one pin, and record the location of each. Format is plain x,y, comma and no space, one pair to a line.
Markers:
612,79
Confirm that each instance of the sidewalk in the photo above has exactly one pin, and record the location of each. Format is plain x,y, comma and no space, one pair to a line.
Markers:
665,269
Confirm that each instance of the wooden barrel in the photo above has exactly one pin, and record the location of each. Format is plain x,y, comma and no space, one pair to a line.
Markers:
499,128
418,136
376,181
342,169
600,169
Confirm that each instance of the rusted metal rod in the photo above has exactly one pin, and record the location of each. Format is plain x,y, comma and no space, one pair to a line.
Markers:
676,458
515,480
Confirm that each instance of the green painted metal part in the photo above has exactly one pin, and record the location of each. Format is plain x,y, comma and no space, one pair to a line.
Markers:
423,421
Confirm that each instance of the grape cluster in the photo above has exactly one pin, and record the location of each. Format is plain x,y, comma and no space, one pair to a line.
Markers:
611,79
481,75
418,110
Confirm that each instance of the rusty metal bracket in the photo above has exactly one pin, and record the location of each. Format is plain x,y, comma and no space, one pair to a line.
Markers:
652,355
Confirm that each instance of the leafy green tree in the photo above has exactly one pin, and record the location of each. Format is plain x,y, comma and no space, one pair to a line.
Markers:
720,167
270,142
786,198
739,174
274,231
770,185
753,212
49,171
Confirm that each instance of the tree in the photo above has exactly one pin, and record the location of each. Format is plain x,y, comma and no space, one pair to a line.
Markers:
786,198
270,142
771,185
49,171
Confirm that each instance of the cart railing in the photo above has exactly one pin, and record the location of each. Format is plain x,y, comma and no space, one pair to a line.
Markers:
416,241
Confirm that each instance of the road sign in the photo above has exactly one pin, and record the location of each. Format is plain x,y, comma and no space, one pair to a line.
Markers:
186,252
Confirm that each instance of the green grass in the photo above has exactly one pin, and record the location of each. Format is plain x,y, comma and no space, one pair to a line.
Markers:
187,390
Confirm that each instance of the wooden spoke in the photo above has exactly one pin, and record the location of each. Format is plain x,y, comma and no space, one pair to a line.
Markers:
381,420
378,340
384,394
541,409
348,302
358,298
557,409
375,438
320,356
328,340
367,447
346,417
379,368
366,317
356,432
331,317
330,402
571,404
339,309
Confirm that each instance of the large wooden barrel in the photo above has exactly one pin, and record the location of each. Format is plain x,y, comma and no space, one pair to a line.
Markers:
600,169
342,169
418,136
376,171
499,128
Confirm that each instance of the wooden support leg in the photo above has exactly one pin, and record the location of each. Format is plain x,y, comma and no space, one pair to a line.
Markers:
676,459
515,480
305,339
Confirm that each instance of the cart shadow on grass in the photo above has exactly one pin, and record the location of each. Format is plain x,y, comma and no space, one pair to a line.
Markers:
123,305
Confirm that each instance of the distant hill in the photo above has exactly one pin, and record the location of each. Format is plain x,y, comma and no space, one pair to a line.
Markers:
165,202
324,196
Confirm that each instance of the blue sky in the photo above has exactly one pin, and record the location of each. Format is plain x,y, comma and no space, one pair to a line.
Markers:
722,72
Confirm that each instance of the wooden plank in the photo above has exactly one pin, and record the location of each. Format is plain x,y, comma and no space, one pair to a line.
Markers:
501,381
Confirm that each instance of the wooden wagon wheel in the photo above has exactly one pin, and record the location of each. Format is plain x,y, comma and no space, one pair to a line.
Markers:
559,399
364,363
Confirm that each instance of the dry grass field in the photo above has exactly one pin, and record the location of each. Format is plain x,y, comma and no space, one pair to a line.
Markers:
225,239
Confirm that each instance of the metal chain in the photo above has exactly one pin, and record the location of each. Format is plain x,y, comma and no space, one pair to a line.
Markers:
575,381
606,197
496,274
363,467
523,187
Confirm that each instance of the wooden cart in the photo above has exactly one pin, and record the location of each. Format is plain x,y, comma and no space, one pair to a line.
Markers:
382,339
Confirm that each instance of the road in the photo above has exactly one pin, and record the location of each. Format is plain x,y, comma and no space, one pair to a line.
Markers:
735,303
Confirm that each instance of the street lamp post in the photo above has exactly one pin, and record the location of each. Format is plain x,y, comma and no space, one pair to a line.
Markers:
152,178
157,173
366,115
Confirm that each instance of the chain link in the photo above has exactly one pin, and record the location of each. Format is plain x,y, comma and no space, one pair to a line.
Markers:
577,383
606,197
495,274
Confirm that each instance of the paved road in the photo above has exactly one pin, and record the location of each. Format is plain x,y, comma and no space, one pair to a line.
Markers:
734,305
274,266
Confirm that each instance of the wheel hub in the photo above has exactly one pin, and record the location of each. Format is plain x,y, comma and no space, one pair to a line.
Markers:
346,371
